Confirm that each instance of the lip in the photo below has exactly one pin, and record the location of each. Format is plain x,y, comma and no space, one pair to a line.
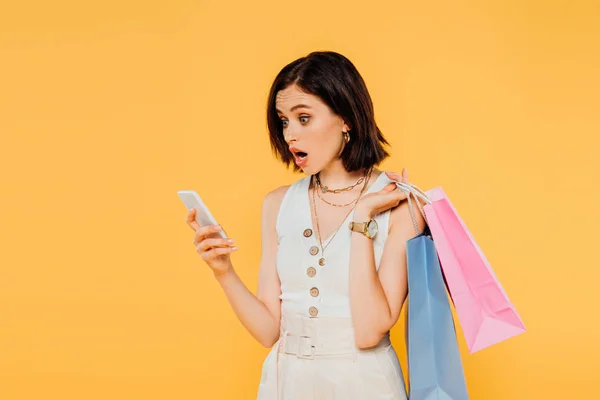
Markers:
295,150
299,162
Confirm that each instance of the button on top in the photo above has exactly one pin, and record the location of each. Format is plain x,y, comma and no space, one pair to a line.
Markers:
313,311
307,232
321,262
314,292
314,250
311,271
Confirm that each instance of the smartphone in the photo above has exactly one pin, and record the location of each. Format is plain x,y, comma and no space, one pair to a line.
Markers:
203,216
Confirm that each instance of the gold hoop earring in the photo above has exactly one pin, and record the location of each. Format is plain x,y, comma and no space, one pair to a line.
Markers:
346,137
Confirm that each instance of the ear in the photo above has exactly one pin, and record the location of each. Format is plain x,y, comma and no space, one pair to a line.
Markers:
346,127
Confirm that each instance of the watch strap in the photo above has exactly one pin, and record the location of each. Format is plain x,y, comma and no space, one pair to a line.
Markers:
359,226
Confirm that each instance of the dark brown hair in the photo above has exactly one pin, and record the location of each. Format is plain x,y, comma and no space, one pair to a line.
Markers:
337,82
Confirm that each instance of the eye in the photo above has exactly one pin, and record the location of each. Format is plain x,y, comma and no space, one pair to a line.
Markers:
284,122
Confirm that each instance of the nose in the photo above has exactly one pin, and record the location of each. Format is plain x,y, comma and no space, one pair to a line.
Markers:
290,135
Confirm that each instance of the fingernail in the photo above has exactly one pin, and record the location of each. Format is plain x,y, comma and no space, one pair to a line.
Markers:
234,248
217,227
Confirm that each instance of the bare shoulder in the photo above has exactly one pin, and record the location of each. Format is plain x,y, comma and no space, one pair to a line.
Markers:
277,193
271,203
274,198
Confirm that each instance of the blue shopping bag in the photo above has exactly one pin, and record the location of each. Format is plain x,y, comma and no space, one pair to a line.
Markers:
435,370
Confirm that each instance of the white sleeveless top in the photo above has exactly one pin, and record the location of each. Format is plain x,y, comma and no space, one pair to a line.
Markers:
307,287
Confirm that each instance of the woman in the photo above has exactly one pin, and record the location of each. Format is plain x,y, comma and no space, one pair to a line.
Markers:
332,276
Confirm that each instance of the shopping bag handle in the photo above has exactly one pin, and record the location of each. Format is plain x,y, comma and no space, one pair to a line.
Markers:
417,193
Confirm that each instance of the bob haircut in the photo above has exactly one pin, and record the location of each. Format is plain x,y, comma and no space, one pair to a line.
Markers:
336,81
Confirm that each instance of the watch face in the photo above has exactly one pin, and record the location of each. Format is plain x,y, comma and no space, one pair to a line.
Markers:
372,228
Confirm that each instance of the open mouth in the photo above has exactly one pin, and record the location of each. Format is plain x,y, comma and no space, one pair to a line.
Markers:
300,158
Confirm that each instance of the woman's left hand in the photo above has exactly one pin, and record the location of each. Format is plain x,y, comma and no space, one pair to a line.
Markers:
377,202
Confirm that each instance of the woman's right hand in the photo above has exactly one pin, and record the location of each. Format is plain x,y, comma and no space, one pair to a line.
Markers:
213,249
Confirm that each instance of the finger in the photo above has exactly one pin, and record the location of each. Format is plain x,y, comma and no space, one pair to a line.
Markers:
207,244
392,197
389,187
225,250
404,175
217,251
398,194
391,200
205,231
399,177
393,175
403,190
191,219
403,178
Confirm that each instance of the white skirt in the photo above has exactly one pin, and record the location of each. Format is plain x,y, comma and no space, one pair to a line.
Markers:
317,359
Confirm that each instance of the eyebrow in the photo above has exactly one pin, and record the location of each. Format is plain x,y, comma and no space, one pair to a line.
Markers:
295,107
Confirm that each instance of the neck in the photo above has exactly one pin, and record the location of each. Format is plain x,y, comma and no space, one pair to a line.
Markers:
335,176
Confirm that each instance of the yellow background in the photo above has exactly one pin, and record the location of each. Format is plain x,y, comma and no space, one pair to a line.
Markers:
108,108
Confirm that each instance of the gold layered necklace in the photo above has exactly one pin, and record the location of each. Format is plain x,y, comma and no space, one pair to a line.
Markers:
326,189
322,261
337,191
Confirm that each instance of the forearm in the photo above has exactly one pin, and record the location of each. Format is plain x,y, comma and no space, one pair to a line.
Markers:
370,309
250,310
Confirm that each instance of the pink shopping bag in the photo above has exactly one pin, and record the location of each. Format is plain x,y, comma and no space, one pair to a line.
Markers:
485,313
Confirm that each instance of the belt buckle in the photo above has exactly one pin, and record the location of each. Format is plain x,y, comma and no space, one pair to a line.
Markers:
299,354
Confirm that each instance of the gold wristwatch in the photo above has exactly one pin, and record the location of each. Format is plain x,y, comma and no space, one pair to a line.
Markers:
369,228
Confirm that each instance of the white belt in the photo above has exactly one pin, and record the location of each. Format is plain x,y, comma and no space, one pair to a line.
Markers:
308,338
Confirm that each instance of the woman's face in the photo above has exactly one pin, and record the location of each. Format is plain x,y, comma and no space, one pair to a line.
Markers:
311,128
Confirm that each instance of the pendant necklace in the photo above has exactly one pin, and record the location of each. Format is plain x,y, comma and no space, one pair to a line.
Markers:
322,260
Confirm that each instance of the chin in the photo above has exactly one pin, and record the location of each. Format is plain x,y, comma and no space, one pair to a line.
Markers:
311,168
308,170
